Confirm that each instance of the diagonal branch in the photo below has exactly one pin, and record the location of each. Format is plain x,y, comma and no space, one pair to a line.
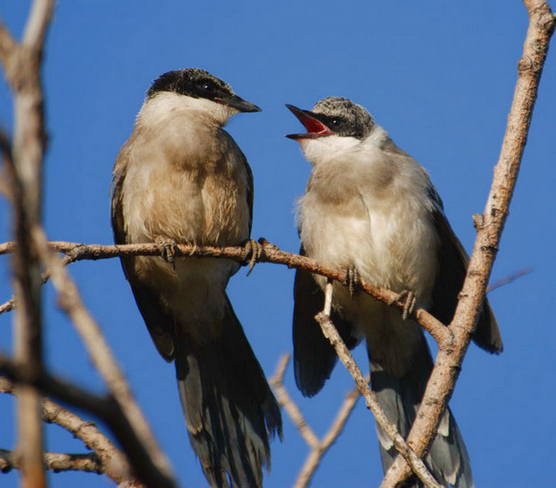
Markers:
318,448
107,457
285,401
37,24
7,45
489,231
155,466
330,332
103,407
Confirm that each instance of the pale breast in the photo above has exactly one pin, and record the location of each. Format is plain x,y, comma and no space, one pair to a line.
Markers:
187,186
189,197
388,237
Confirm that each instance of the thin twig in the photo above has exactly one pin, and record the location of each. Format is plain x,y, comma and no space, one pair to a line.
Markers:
55,461
109,458
285,401
7,306
509,279
10,304
489,231
155,468
103,407
330,332
316,455
318,448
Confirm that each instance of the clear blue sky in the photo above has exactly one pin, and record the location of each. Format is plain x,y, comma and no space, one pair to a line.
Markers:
439,76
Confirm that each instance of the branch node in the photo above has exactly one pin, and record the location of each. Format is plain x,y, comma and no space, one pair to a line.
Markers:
478,221
525,64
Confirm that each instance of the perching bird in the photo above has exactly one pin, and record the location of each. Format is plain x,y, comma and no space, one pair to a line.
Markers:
372,208
181,178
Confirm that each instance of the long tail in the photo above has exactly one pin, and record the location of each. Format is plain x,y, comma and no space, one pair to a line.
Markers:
447,459
228,406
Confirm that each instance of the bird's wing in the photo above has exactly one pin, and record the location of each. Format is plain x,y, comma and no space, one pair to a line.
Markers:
159,323
314,357
250,189
452,268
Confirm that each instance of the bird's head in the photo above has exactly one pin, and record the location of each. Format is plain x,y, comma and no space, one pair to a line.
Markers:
198,90
333,124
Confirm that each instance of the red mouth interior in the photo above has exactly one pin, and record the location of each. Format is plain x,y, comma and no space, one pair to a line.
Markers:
313,126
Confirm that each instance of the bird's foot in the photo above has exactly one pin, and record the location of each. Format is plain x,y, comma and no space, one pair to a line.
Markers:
168,250
409,298
252,251
194,250
353,280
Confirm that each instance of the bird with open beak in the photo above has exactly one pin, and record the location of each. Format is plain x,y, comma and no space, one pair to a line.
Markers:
371,208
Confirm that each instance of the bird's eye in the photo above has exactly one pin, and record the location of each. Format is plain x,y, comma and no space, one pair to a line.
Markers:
209,86
335,122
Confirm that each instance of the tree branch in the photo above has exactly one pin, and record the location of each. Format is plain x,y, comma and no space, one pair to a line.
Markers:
54,461
270,254
489,231
318,448
330,332
109,459
22,63
155,466
105,408
285,401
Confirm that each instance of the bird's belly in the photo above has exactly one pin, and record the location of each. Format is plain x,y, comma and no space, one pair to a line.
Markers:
388,253
387,250
184,208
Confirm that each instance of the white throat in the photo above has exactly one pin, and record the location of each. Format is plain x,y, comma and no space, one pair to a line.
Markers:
324,149
169,104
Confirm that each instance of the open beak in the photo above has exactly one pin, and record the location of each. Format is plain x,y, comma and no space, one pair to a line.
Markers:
238,103
315,128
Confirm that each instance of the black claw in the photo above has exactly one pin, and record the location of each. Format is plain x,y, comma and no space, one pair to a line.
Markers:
353,280
253,251
168,251
409,298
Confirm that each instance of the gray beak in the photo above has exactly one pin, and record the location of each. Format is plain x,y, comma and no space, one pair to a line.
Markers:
238,103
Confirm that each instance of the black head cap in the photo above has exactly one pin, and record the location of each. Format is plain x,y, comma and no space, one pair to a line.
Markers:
198,83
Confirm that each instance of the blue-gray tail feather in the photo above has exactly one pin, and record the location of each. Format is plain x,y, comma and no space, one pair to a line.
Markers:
447,459
229,408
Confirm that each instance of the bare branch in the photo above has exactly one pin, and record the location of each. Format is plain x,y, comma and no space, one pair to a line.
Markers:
109,459
330,332
10,304
105,408
7,306
270,254
316,455
318,447
55,461
25,169
156,465
7,44
37,24
489,231
342,417
285,401
509,279
22,63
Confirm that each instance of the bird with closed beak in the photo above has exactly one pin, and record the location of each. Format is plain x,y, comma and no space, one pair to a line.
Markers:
371,208
181,179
